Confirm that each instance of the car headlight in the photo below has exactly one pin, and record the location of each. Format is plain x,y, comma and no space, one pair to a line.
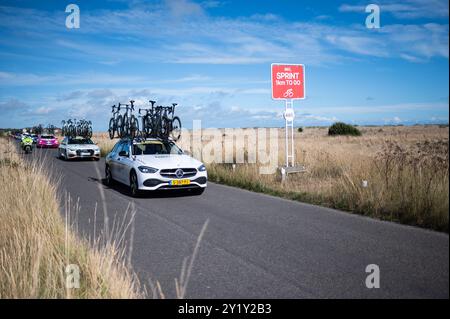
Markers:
147,170
202,168
72,150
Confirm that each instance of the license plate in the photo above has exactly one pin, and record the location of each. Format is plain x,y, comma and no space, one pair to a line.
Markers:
179,182
86,154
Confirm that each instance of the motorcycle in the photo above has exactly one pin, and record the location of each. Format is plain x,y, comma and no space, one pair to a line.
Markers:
27,146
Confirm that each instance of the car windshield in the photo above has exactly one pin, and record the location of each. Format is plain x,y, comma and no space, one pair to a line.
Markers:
79,141
47,137
156,148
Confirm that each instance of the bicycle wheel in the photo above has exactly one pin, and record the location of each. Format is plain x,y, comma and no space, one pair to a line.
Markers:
134,126
155,127
72,131
89,131
125,126
111,129
175,130
119,126
146,126
165,128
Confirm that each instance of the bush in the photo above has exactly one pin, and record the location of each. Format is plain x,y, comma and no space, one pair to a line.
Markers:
300,129
340,128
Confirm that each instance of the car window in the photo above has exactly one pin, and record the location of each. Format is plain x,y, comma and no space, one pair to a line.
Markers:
124,147
47,136
80,141
155,148
116,147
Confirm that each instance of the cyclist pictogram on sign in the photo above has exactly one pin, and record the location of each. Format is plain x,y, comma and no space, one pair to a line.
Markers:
288,81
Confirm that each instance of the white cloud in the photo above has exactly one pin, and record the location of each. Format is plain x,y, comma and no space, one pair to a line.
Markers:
181,8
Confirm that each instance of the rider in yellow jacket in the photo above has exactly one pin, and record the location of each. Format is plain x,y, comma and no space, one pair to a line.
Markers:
26,140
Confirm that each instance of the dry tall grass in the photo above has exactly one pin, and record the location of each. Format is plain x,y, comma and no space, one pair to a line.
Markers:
35,247
406,169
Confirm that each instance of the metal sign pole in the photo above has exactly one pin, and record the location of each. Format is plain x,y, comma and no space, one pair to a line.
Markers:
289,121
286,133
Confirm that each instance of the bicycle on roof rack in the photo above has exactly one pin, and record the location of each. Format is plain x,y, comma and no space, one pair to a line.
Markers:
147,120
157,121
84,128
37,129
160,122
115,123
130,125
171,124
50,129
73,128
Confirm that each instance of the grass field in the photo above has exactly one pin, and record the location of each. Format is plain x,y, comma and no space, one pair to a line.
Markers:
35,248
406,169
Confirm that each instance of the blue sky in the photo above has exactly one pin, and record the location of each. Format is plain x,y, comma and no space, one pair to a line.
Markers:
213,58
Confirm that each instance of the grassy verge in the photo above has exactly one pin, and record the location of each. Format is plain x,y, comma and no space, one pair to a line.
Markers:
35,248
408,185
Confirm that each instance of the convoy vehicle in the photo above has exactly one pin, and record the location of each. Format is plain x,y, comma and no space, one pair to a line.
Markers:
27,144
47,140
154,164
34,137
78,147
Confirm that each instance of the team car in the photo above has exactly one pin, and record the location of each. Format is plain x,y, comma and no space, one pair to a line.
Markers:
34,137
78,147
47,140
154,164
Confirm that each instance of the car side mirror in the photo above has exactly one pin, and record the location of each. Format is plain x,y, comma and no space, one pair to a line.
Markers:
123,153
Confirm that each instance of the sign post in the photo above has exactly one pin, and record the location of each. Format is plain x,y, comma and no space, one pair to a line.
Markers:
288,84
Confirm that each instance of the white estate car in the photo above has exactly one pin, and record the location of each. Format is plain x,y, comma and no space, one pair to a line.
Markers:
154,164
78,147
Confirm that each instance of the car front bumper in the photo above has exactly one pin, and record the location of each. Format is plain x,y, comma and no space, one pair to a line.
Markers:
80,154
47,145
157,182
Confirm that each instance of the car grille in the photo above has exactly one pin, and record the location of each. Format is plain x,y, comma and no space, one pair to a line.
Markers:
91,152
171,173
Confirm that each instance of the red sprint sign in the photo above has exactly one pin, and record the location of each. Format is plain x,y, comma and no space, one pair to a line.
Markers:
288,81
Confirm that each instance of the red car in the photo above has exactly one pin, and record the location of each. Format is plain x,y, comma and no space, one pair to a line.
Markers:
47,141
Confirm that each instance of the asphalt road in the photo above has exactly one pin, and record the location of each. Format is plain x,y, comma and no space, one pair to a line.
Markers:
258,246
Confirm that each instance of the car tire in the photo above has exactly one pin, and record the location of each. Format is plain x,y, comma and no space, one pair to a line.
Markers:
134,187
108,176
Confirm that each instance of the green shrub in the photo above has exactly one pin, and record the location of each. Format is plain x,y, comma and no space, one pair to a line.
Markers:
340,128
300,129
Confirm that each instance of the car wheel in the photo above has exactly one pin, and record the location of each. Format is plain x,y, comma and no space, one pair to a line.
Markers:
108,176
134,187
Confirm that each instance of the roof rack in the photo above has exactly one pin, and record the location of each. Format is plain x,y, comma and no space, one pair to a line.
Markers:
141,139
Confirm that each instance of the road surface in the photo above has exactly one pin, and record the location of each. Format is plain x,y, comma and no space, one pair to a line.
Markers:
258,246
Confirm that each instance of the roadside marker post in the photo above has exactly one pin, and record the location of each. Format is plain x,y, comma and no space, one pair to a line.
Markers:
288,84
